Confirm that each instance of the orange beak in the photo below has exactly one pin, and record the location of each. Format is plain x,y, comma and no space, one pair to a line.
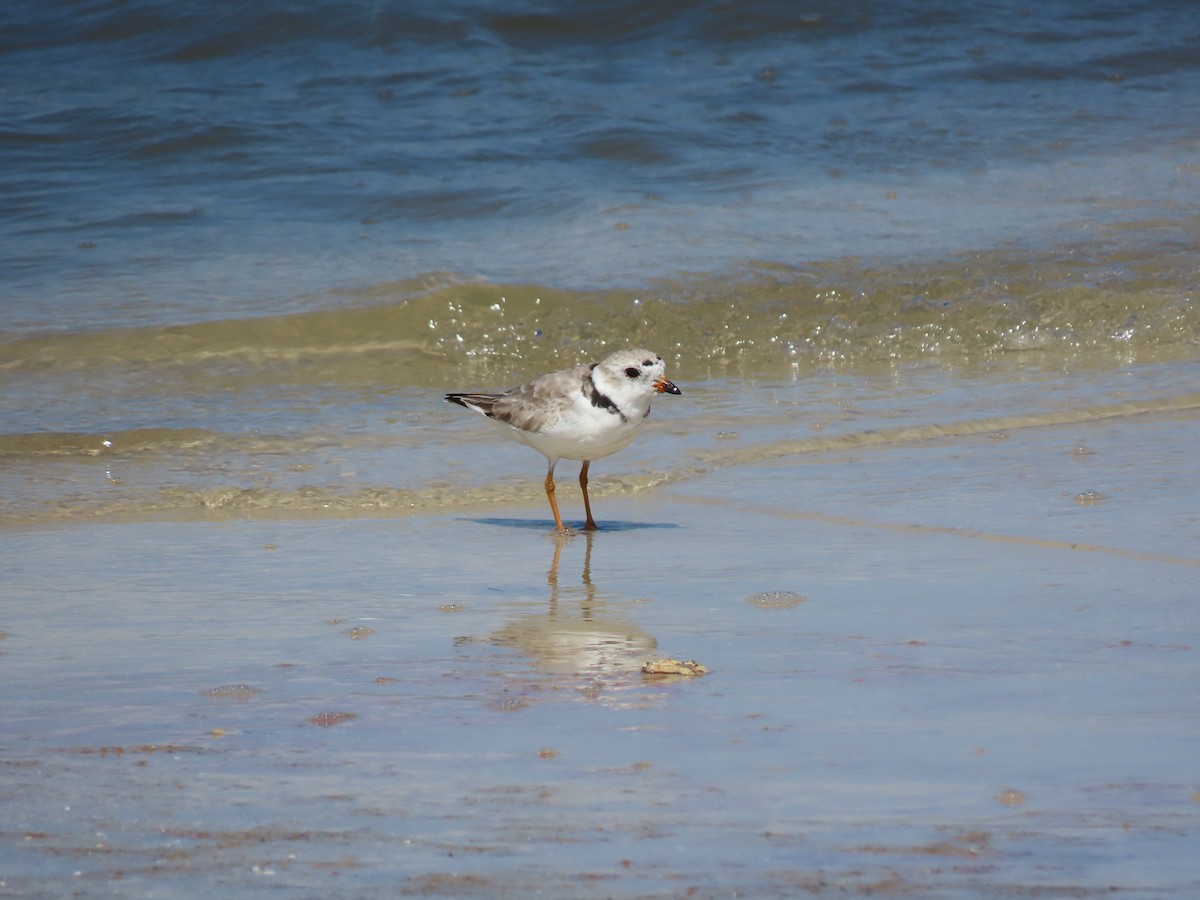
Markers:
665,387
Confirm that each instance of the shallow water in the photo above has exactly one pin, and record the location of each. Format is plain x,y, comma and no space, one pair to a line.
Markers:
985,689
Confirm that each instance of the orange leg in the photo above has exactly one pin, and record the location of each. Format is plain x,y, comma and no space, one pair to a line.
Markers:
590,525
558,522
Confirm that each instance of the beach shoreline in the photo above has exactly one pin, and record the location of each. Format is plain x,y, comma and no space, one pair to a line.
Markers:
980,682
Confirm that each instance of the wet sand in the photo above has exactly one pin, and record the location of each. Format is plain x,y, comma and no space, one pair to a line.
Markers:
979,682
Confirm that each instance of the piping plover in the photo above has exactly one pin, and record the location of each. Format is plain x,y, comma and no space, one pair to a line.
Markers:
583,413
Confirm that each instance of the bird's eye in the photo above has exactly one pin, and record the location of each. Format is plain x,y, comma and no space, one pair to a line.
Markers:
633,372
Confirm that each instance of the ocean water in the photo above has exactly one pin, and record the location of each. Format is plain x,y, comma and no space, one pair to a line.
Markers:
232,232
169,163
274,618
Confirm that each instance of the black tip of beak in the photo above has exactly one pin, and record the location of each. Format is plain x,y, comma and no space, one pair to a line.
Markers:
665,387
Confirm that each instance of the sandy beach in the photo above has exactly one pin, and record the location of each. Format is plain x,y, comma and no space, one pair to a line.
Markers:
956,662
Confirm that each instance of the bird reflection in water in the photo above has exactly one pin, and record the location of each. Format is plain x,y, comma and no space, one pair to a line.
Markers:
580,633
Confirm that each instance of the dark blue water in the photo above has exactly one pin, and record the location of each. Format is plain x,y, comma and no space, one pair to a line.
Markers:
177,162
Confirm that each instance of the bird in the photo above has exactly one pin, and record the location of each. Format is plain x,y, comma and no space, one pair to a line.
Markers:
584,413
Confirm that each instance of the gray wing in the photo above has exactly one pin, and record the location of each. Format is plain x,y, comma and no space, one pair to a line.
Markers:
539,404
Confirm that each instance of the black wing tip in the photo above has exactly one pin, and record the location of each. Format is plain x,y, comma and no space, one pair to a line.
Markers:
480,403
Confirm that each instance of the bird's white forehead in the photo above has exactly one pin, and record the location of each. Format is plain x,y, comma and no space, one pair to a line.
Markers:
642,358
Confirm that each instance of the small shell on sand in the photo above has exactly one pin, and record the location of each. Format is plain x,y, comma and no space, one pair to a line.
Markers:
331,719
1012,797
775,599
674,667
